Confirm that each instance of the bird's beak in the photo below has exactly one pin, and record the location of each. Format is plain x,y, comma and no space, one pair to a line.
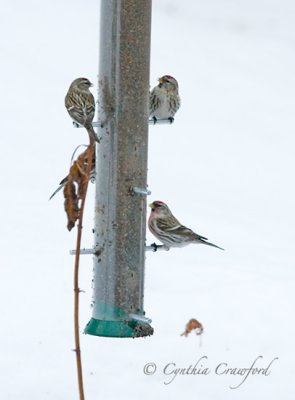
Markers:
152,206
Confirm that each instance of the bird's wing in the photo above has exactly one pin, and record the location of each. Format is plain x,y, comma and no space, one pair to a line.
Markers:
154,101
90,108
186,233
183,231
179,231
174,102
81,107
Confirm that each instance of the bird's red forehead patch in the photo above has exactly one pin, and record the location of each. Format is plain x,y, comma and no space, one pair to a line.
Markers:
158,202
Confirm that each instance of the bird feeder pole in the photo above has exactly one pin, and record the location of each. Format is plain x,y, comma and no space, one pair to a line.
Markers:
121,170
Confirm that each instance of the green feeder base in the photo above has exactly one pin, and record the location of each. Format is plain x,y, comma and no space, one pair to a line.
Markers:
123,329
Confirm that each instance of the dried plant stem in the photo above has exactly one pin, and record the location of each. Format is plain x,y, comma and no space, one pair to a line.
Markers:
90,150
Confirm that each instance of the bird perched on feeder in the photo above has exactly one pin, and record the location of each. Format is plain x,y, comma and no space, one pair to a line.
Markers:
80,103
169,230
164,99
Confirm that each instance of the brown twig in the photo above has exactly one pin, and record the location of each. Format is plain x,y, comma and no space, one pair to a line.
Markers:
90,150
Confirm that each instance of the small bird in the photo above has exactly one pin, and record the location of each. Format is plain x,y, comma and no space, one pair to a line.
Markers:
169,230
164,99
80,103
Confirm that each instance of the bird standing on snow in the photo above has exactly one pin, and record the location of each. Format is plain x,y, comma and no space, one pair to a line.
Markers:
169,230
164,99
80,103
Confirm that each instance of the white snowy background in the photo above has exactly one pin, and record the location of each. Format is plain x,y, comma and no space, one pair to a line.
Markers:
226,168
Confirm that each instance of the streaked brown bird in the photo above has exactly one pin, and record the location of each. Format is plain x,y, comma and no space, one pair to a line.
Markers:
164,99
80,103
170,231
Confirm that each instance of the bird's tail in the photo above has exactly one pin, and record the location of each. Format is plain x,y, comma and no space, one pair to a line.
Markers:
92,135
210,244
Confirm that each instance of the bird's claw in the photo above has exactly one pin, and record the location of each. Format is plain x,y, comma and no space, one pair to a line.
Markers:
155,247
171,119
155,120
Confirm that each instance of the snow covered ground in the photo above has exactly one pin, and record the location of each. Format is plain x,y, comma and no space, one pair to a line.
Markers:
225,167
